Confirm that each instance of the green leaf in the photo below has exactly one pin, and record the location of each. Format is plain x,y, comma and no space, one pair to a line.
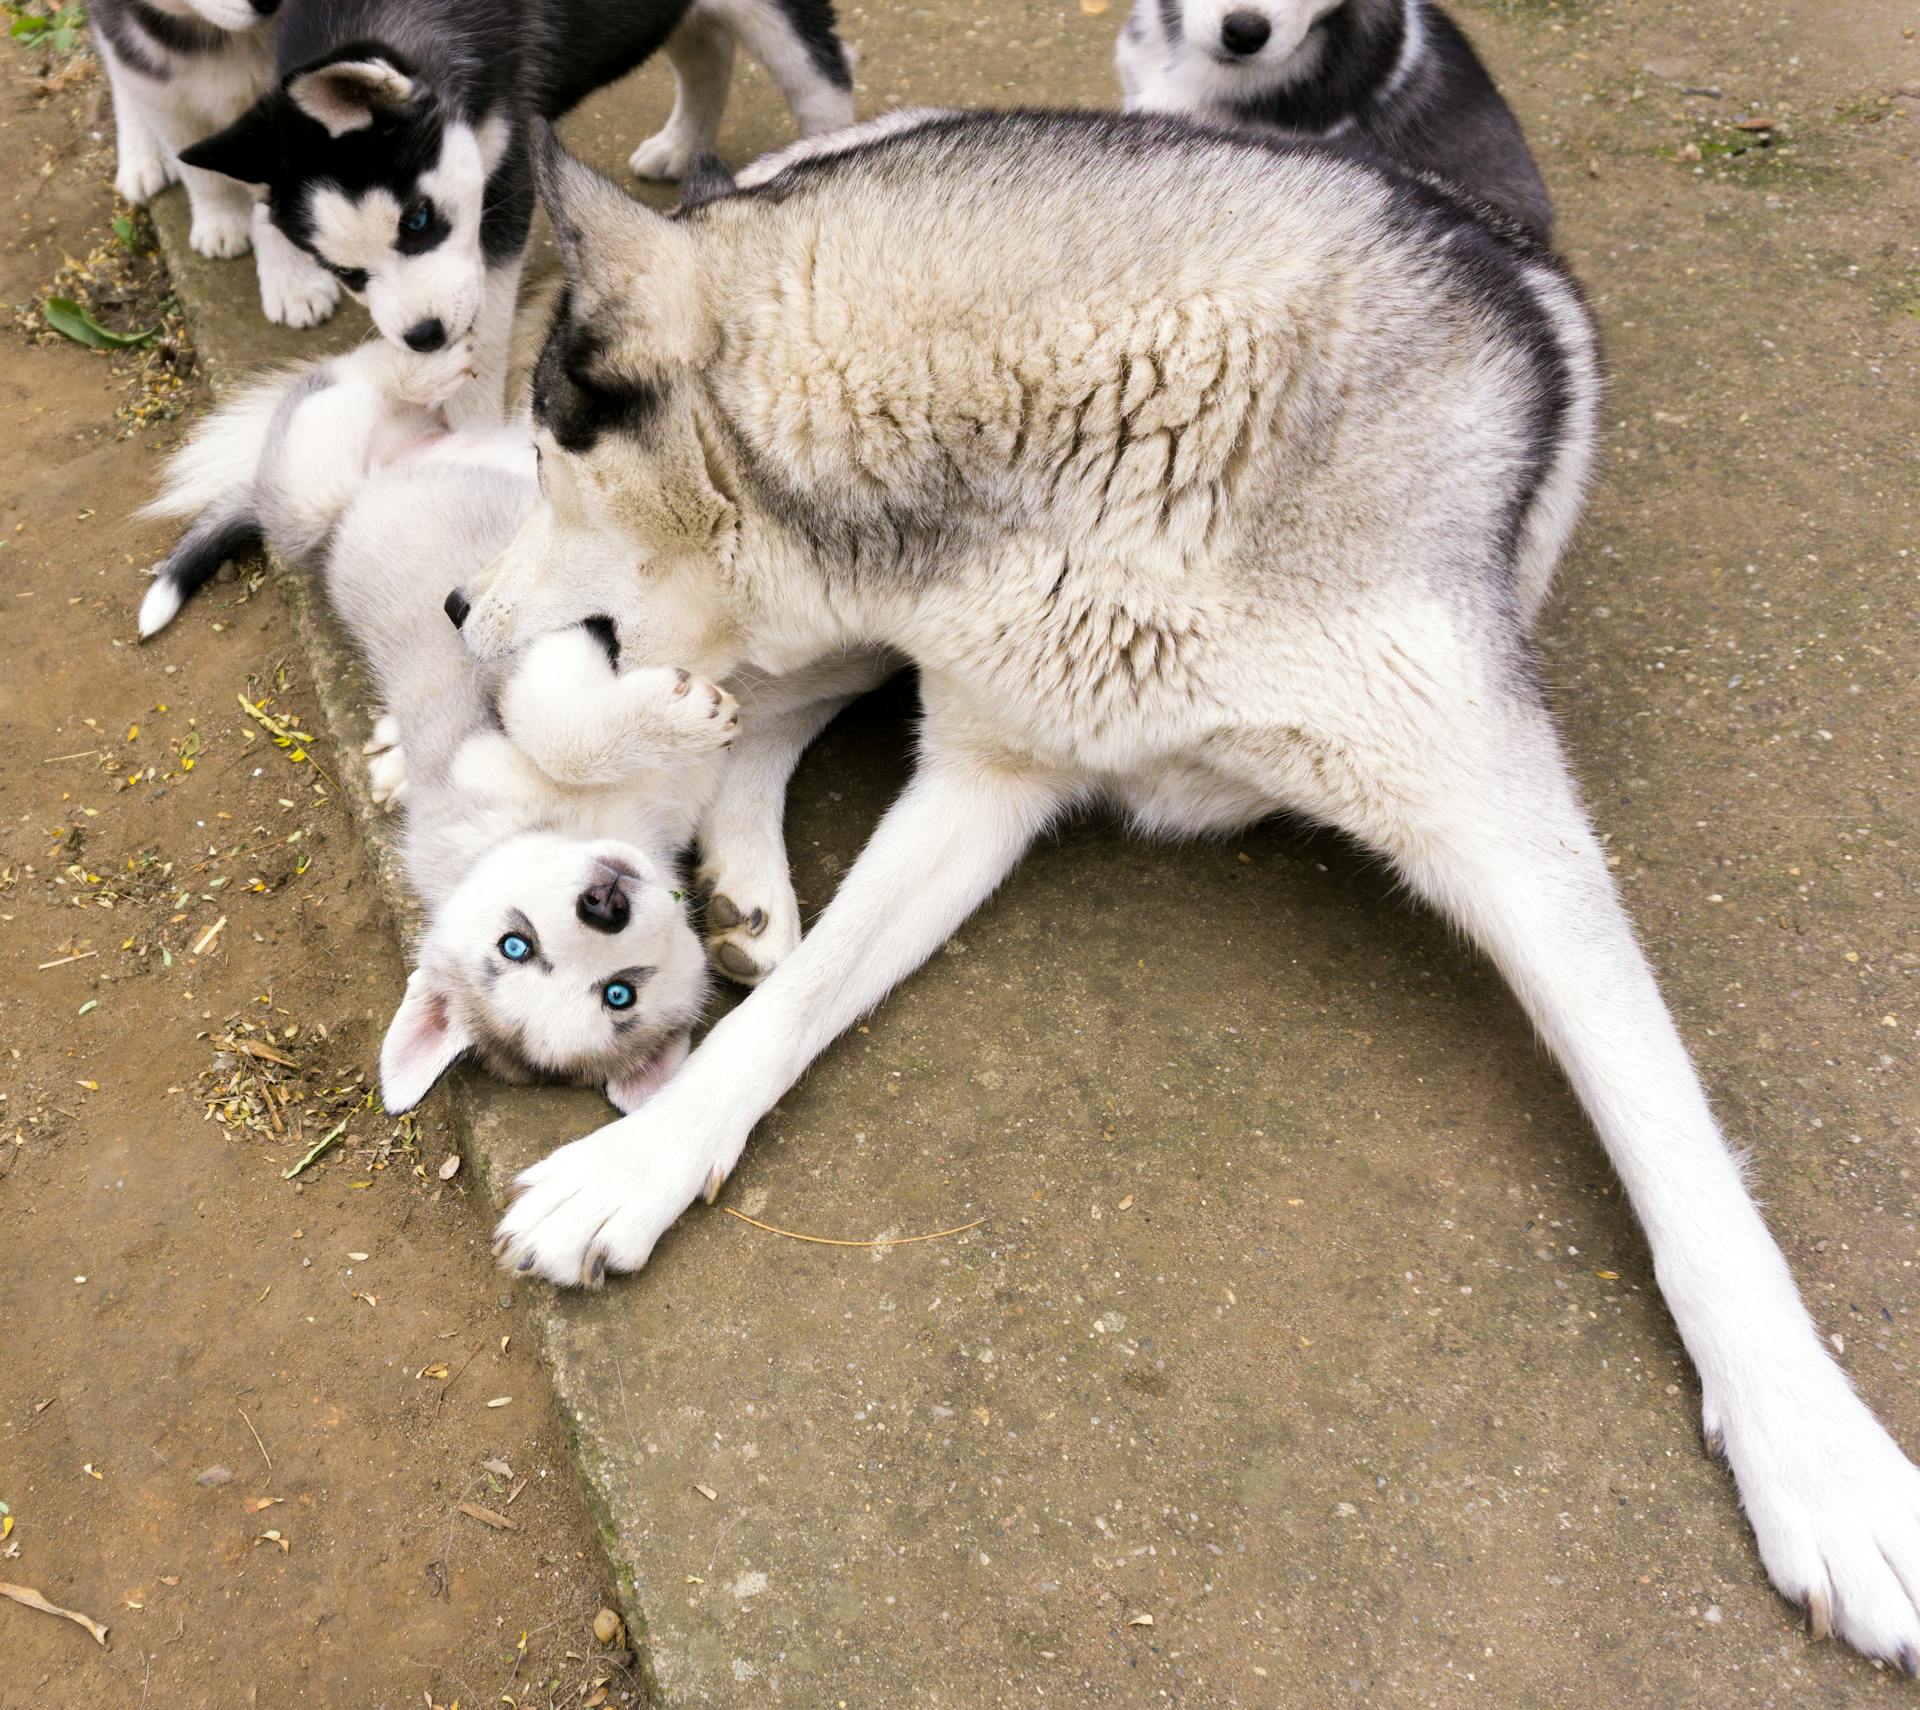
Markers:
66,316
123,230
27,26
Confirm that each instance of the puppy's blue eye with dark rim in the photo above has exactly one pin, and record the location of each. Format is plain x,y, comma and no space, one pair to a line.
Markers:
619,995
515,948
416,217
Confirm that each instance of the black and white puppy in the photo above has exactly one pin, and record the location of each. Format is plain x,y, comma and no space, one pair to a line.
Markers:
393,148
1393,79
179,71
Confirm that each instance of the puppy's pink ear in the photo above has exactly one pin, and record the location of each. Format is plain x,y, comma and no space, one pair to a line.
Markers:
421,1044
641,1082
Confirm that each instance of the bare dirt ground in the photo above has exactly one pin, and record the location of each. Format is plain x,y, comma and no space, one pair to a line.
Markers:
239,1414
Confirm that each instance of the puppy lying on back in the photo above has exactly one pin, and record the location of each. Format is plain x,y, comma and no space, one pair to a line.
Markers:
548,801
1393,79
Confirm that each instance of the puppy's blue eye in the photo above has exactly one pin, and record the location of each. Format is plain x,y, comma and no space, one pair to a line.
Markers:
515,948
417,218
619,995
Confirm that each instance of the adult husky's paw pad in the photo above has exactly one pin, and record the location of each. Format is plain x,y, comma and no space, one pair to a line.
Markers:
1835,1509
221,232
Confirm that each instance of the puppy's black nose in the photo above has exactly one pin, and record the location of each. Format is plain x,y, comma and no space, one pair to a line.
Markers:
457,607
266,8
604,906
1242,33
431,335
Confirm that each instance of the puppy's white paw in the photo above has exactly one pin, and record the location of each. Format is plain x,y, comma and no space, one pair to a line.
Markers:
662,156
221,231
141,177
430,378
699,716
600,1204
384,735
1835,1508
752,915
387,776
297,296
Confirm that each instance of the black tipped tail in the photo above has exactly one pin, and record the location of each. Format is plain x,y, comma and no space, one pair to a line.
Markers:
214,539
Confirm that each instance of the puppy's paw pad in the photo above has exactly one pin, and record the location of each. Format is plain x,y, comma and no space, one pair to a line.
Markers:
662,156
746,942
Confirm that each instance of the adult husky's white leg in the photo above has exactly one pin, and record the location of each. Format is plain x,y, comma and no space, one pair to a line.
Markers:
768,33
1481,815
701,54
752,916
601,1203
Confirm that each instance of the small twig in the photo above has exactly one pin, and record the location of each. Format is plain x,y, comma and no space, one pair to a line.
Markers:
62,961
319,1146
33,1600
55,759
487,1517
834,1241
256,1437
442,1398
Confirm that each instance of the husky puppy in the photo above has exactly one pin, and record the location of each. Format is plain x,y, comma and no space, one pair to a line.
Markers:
393,149
1209,509
548,800
180,70
1395,78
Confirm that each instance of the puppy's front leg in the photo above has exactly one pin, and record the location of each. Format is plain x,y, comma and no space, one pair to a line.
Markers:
584,723
954,834
753,918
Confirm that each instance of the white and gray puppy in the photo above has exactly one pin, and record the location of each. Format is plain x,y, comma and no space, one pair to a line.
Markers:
548,800
181,70
1226,478
1394,79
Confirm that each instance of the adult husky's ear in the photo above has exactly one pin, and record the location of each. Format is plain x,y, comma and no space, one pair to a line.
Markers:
349,89
421,1044
246,149
632,274
641,1082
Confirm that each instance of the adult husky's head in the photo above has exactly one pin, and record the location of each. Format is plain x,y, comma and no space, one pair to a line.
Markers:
552,959
368,171
635,517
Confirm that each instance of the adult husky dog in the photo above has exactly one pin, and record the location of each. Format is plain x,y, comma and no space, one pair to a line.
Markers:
1395,78
548,799
394,148
1225,477
179,71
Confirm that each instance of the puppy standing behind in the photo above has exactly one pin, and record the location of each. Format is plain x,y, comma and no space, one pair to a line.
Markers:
179,71
393,150
1394,78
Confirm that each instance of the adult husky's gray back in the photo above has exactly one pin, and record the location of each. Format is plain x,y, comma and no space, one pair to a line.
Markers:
1160,338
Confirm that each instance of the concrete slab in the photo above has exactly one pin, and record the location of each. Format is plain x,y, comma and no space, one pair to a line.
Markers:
1306,1353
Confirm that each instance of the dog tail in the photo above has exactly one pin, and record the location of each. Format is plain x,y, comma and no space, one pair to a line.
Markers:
211,480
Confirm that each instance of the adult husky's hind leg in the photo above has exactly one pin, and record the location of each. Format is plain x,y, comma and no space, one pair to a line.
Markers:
1469,793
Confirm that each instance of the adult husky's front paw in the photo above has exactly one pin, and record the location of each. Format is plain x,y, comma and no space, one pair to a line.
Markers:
221,230
664,156
140,176
1835,1508
752,915
600,1204
386,763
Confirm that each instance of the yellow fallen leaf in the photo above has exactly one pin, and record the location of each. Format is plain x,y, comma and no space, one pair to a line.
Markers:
88,1470
255,1503
1139,1620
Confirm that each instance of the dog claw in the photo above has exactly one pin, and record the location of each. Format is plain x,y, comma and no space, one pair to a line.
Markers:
1715,1443
1819,1615
1909,1661
597,1271
716,1179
